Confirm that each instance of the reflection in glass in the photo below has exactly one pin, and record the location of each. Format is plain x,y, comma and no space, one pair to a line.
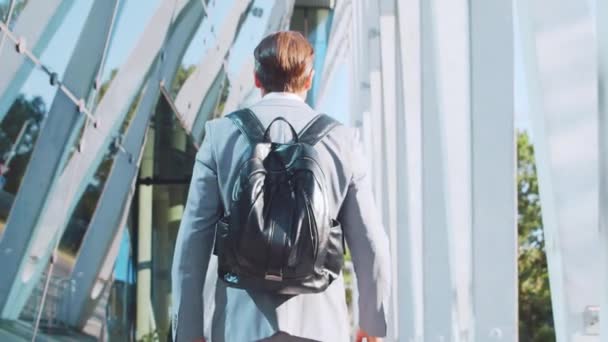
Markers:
4,11
18,134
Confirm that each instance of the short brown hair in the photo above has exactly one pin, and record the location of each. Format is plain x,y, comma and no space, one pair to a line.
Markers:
283,61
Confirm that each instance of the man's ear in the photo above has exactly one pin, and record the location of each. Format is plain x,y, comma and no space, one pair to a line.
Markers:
258,83
308,83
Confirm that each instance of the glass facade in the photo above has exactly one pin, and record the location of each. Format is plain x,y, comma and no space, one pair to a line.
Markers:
18,133
315,24
137,304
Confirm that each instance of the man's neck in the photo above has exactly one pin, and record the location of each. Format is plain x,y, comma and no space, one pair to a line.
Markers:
301,95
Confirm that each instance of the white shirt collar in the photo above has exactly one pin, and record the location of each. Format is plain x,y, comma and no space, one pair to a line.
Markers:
282,95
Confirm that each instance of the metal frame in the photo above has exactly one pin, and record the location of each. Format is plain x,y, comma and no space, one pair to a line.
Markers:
51,221
424,80
37,24
53,144
494,226
438,278
107,224
563,109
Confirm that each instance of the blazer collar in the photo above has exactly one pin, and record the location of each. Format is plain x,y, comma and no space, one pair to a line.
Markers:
283,102
281,95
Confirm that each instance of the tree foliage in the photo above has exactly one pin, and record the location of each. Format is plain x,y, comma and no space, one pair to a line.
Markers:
23,114
535,313
180,78
87,204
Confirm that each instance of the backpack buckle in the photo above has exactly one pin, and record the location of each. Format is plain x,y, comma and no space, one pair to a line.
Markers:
274,277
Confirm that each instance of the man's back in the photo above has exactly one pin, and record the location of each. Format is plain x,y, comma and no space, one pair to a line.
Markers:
237,315
301,315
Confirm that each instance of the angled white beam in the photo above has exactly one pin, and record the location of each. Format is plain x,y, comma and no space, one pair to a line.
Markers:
275,15
208,107
92,272
563,108
53,144
495,240
49,224
37,24
95,261
219,32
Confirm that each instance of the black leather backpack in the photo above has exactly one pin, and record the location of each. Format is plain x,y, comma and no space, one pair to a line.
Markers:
279,236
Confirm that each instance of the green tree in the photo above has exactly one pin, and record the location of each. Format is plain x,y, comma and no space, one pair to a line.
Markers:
85,209
180,78
23,114
535,313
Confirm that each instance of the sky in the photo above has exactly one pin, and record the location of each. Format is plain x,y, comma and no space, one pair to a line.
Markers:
130,26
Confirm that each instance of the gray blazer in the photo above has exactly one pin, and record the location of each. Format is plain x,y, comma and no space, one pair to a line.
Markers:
204,306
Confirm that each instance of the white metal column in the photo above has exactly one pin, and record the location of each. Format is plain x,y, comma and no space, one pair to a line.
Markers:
446,172
409,157
493,173
559,47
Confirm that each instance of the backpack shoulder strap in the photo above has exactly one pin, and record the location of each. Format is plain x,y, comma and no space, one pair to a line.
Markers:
317,128
249,125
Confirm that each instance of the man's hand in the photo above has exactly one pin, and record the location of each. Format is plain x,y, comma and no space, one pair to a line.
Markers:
201,339
361,335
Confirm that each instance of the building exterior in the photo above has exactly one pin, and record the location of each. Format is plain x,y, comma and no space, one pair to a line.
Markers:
103,105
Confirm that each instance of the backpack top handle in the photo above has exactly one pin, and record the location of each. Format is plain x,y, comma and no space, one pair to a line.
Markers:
280,118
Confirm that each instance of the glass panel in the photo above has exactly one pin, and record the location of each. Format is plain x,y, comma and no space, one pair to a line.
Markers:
4,9
18,134
120,311
315,24
174,155
83,213
129,27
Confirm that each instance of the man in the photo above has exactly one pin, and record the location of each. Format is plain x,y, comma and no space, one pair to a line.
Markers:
284,74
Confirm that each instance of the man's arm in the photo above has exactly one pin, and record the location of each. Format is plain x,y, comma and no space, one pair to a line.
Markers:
368,245
194,245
